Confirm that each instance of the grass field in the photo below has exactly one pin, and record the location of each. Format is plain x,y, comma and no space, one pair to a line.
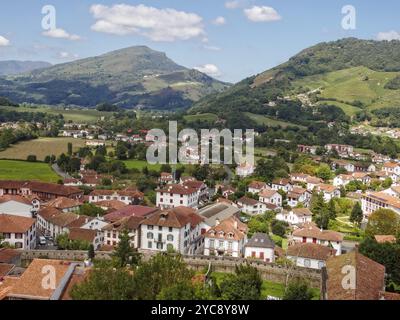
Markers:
209,117
354,84
268,288
139,164
76,115
263,120
41,148
22,170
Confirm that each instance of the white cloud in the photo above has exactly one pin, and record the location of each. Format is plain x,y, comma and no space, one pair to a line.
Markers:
219,21
4,42
389,36
232,4
209,69
262,14
64,55
61,34
156,24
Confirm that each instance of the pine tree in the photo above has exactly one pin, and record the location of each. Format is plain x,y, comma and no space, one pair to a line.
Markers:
124,253
356,215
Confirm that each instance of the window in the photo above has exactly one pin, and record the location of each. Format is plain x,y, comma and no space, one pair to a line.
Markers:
170,237
150,227
18,245
307,263
212,243
149,244
321,264
150,235
160,228
221,244
18,236
170,229
230,245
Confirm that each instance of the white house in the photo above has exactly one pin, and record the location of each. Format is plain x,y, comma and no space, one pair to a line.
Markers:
282,184
310,255
393,191
295,216
329,191
94,237
310,233
127,196
64,204
270,196
260,247
298,196
373,201
251,206
171,229
391,167
19,232
175,195
227,238
113,231
19,205
342,180
256,186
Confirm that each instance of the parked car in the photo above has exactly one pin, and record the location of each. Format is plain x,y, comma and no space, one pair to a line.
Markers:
42,241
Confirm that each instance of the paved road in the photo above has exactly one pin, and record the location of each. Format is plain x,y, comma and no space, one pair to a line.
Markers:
60,172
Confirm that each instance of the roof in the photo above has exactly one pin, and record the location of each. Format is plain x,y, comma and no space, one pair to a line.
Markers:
128,223
16,198
62,203
390,164
53,188
369,277
327,187
260,240
177,189
247,201
389,296
218,211
301,212
127,211
127,193
176,217
47,212
231,226
82,234
80,221
310,251
8,255
15,224
383,197
281,182
257,185
110,204
29,285
193,184
5,269
6,285
385,238
267,193
63,219
310,230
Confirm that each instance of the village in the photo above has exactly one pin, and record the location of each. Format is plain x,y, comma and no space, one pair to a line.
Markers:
291,222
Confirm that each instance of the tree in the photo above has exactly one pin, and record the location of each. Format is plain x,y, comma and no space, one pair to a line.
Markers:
31,158
91,253
383,222
245,284
332,209
356,215
105,283
160,272
279,227
324,172
298,289
322,220
124,253
91,210
69,152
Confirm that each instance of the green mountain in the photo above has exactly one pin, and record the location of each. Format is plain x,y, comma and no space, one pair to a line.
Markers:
136,76
352,74
11,67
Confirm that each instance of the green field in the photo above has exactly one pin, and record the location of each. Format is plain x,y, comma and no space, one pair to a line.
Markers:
22,170
76,115
139,164
354,84
41,147
209,117
263,120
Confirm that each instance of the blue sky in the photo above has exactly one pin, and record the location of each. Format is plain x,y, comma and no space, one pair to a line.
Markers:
254,35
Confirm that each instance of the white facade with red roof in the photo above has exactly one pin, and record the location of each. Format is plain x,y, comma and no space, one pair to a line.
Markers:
19,232
175,195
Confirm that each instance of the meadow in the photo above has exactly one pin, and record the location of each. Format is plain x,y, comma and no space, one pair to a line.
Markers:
263,120
41,147
22,170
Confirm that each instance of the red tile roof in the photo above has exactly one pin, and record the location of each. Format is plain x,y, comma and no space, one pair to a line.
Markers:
15,224
311,251
127,211
175,218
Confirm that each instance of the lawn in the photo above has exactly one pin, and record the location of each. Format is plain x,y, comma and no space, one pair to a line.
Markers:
209,117
140,164
41,148
263,120
76,115
22,170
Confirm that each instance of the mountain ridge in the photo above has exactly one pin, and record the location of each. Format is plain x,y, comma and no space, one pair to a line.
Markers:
12,67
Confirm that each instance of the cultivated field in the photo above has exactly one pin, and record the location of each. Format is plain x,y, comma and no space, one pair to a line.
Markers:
22,170
41,147
260,119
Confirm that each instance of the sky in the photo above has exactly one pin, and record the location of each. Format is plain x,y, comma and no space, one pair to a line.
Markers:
227,39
